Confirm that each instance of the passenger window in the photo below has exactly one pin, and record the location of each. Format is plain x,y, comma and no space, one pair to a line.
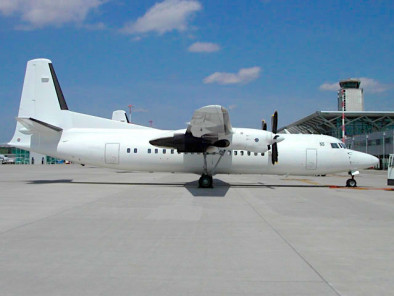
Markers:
229,152
149,150
164,151
135,150
242,153
172,151
255,154
235,152
156,151
334,145
262,154
248,153
128,150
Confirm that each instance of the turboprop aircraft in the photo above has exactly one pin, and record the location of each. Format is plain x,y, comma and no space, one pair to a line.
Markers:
208,146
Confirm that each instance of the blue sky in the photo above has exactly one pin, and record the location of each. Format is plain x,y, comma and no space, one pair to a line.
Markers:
168,58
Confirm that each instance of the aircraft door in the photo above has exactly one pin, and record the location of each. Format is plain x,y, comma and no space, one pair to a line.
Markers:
112,153
311,159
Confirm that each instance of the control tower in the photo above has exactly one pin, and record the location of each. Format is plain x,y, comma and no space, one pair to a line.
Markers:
351,95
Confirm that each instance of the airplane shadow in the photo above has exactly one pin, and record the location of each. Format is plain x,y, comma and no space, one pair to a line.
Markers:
220,188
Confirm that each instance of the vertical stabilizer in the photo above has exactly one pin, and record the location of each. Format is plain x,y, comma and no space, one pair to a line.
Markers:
42,99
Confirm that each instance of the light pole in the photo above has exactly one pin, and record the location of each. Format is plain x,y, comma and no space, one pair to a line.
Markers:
366,144
343,116
384,156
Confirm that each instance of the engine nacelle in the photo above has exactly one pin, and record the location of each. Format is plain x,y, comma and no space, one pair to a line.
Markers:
251,140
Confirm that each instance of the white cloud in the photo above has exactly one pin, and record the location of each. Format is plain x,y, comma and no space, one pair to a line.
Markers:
329,86
243,76
368,84
204,47
7,7
374,86
40,13
164,17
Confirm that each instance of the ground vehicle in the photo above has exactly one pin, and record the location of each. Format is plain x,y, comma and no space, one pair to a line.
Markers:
390,171
6,160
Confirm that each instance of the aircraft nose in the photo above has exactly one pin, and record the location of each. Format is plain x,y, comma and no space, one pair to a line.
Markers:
363,160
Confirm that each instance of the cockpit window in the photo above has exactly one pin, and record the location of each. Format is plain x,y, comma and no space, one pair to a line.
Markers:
338,145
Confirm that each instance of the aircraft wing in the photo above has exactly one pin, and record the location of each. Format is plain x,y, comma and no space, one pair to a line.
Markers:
210,126
210,121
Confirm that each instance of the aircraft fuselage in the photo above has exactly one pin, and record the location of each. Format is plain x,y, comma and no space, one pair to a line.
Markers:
130,150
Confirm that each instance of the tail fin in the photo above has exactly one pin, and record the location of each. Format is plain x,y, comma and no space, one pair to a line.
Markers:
42,99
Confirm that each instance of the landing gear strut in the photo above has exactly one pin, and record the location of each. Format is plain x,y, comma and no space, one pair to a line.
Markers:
206,180
351,182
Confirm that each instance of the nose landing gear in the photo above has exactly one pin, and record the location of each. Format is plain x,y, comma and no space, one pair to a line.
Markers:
352,182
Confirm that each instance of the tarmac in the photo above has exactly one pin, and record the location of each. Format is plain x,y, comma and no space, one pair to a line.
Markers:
73,230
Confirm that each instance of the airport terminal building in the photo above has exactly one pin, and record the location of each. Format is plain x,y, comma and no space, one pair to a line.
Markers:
366,131
21,156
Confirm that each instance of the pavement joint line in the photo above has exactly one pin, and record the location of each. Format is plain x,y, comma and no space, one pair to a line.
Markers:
307,181
292,247
359,188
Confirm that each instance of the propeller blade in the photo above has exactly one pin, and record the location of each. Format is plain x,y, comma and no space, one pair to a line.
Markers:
274,126
274,122
274,154
263,125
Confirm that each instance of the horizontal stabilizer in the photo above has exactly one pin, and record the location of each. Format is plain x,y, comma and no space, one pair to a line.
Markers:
32,126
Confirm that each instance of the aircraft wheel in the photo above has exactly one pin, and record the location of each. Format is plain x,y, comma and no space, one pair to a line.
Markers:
205,181
351,183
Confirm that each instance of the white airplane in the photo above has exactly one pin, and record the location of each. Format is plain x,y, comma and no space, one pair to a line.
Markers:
208,146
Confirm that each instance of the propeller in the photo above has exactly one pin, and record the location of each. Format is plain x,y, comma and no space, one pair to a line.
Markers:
274,125
263,125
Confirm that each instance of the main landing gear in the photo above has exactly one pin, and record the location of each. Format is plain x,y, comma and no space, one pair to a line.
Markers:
206,180
352,182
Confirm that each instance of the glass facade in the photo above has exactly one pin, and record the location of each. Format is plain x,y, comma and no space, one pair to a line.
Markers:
23,156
